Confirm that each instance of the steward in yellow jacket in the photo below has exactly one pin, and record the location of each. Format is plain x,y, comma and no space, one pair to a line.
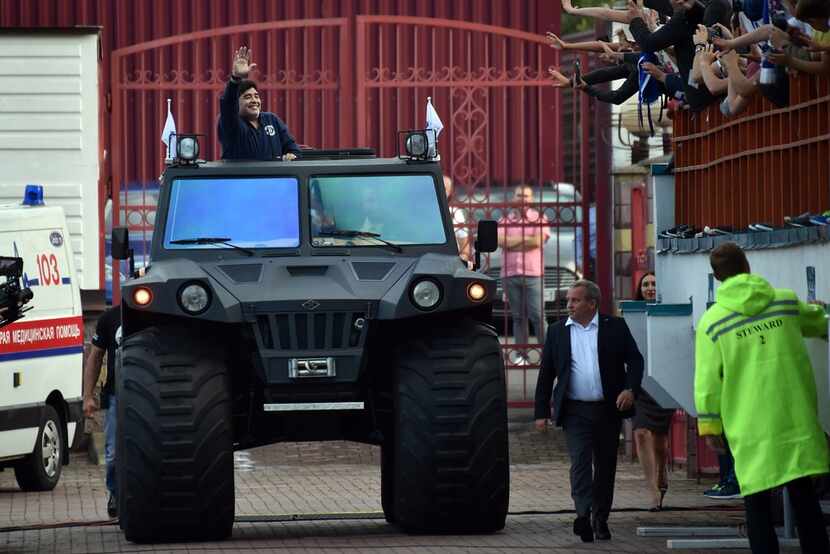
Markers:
755,384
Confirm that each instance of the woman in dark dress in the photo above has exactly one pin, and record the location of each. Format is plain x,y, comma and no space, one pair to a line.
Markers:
651,424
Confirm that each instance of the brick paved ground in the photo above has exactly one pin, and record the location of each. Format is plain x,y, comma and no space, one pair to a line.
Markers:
301,479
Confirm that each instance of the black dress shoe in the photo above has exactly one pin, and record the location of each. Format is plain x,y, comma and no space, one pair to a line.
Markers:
582,527
601,530
112,507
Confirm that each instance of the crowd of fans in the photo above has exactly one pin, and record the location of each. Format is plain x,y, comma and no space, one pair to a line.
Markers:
696,52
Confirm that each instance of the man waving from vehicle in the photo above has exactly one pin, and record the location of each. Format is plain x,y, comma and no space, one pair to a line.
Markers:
245,131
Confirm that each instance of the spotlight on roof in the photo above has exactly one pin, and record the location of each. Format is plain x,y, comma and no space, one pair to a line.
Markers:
419,144
187,149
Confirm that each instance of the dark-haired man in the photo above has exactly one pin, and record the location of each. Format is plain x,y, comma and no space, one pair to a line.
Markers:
245,131
749,353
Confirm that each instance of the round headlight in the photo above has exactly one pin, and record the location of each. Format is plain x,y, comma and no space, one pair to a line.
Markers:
142,296
476,292
426,294
194,298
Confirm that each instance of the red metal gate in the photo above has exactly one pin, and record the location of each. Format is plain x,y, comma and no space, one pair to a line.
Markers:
355,82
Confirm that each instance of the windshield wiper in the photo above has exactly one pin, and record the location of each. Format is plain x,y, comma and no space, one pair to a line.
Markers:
213,240
351,233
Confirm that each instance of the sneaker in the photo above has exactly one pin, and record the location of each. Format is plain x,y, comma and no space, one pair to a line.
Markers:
802,220
681,231
715,231
671,233
728,491
761,227
112,507
797,221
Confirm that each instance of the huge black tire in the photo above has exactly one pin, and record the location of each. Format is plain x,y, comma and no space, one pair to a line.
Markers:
174,454
387,481
41,470
451,460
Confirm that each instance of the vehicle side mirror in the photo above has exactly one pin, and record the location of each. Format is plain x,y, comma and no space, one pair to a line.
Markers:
487,239
121,248
120,243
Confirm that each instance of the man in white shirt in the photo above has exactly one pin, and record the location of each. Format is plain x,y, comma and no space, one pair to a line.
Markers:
597,369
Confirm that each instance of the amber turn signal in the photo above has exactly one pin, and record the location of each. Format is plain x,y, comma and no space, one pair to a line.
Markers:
476,292
142,296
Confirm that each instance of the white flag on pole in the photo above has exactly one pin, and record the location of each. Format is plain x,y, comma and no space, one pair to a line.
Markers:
169,129
434,123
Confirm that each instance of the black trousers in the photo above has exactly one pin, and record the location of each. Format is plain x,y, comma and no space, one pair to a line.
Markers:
592,431
812,534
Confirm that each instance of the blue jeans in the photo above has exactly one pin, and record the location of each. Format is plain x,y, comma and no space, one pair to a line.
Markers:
525,297
726,465
109,445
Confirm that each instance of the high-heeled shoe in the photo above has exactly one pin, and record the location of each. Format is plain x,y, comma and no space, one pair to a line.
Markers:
658,503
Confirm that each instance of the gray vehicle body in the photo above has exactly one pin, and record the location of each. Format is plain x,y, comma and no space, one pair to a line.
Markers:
283,309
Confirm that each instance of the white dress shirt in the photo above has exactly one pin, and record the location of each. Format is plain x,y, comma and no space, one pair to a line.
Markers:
585,382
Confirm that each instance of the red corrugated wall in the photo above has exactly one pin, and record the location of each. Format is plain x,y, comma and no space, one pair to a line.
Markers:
760,166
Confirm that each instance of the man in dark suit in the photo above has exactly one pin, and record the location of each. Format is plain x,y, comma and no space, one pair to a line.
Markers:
598,370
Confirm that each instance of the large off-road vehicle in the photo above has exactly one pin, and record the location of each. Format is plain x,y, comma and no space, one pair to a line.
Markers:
312,300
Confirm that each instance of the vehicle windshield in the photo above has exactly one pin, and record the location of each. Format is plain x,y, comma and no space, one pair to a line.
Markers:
252,213
400,209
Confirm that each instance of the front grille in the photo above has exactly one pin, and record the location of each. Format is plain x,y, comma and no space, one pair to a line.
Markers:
311,331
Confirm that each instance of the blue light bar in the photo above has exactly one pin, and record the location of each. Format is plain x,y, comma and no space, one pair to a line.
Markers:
33,195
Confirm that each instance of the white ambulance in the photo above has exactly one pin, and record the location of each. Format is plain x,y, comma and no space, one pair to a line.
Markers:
41,352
